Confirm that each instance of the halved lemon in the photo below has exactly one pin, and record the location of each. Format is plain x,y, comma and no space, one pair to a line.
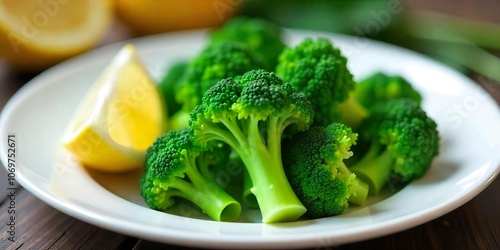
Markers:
119,118
36,34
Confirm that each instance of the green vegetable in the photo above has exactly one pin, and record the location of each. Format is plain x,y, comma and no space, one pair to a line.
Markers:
249,198
214,63
172,170
233,176
314,163
338,16
403,141
231,114
250,113
381,87
318,70
261,37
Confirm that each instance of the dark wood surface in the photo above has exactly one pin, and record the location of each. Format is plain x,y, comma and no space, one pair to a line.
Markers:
475,225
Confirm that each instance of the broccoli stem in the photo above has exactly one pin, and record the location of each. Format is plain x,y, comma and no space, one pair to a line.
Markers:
374,168
352,112
207,195
248,197
275,197
262,159
360,193
361,189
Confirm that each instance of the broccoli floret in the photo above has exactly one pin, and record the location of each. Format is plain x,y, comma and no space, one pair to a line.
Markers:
250,114
261,36
381,87
314,164
403,141
319,70
172,171
214,63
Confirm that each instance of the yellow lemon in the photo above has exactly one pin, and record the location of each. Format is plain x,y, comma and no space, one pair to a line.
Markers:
35,34
119,118
155,16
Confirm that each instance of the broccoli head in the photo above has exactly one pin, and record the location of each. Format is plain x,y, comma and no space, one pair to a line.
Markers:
250,113
319,70
403,141
380,87
214,63
172,171
260,36
314,163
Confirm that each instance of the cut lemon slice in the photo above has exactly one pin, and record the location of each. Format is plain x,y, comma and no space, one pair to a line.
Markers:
119,118
36,34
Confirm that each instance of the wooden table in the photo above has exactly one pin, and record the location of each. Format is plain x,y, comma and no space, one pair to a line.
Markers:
475,225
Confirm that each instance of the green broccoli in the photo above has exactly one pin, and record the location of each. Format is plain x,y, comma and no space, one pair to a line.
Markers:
226,170
249,198
402,140
214,63
233,176
314,164
261,36
381,87
319,70
172,171
250,113
216,160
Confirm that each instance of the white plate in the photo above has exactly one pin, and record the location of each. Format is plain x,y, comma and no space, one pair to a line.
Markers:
468,120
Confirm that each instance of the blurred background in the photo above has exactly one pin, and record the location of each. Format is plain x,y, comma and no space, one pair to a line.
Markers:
35,35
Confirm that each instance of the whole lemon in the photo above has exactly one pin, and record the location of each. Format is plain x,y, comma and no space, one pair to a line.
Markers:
156,16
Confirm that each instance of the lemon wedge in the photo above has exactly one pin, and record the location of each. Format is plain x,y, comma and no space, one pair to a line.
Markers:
119,118
36,34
